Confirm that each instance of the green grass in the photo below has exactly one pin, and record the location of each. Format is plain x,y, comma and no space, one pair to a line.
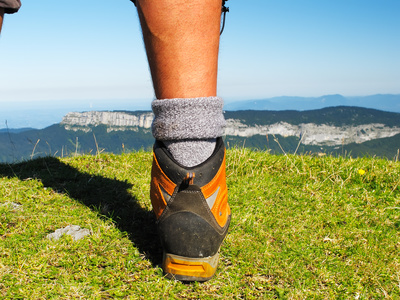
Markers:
303,228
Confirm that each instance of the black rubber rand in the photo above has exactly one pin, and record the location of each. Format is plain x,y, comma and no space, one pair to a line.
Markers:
187,227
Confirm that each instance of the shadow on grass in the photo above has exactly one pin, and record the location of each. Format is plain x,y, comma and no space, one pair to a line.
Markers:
109,197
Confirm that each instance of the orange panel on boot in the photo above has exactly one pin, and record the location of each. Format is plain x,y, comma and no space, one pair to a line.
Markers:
159,180
220,209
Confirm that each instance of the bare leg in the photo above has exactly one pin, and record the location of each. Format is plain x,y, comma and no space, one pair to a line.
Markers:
182,41
1,17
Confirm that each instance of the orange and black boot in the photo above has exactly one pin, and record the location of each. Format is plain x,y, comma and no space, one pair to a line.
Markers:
192,211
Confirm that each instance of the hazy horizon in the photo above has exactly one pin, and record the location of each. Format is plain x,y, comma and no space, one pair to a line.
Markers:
41,114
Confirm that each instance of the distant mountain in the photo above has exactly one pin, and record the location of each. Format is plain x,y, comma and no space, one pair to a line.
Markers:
15,130
389,103
335,130
335,116
41,114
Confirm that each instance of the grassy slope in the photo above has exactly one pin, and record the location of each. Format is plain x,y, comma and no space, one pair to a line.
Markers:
302,227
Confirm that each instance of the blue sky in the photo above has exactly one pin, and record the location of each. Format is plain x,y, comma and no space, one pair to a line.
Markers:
90,51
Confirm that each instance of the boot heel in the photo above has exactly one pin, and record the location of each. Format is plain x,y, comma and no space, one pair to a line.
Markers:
189,269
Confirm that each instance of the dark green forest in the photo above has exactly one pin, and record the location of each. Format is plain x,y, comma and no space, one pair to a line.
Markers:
334,116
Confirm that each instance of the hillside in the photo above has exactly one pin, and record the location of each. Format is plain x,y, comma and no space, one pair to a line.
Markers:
336,130
384,147
333,116
303,227
57,141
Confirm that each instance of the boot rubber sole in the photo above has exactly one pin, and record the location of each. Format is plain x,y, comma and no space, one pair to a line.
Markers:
190,269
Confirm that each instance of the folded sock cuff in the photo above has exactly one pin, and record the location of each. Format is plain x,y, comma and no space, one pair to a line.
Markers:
188,118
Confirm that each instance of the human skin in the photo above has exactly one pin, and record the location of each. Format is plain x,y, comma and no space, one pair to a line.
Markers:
1,17
182,40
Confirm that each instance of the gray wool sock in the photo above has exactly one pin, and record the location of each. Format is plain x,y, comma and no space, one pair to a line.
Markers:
191,153
188,127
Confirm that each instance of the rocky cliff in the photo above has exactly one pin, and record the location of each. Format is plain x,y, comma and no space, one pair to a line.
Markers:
113,120
313,134
310,133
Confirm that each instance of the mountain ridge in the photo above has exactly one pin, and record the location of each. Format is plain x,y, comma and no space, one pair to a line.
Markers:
385,102
316,130
315,127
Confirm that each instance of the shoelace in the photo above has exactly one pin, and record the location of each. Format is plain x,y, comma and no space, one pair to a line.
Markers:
189,178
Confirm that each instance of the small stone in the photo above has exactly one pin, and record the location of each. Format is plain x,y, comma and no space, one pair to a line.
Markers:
327,239
75,231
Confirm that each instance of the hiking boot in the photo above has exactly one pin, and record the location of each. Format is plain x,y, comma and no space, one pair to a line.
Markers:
192,211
